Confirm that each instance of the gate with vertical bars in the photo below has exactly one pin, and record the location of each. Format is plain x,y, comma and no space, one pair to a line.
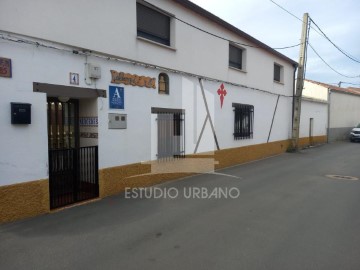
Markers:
73,175
171,133
73,170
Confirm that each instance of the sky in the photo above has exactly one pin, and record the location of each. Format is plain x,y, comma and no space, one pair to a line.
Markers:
338,19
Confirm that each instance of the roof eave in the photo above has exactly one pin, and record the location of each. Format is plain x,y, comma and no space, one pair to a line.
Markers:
230,27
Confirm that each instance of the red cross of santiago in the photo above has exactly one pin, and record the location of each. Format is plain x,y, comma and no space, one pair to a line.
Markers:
222,93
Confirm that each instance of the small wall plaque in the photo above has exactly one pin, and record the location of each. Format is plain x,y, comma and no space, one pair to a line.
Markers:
5,67
116,97
74,78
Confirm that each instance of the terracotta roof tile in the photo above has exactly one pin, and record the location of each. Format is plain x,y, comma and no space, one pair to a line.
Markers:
348,90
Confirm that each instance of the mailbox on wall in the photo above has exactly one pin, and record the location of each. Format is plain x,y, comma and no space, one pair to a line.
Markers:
20,113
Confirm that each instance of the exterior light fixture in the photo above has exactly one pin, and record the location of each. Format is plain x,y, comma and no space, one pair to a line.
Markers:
63,99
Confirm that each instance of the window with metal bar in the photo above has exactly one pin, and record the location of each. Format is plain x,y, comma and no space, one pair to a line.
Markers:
243,121
152,24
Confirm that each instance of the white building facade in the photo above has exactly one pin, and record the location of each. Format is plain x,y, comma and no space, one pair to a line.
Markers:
313,121
343,112
110,94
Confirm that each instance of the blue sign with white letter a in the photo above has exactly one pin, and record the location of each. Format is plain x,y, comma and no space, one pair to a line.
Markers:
116,97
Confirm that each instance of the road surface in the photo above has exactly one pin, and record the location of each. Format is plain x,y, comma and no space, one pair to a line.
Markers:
289,215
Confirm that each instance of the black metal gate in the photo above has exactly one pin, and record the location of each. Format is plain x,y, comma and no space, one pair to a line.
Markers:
73,170
73,175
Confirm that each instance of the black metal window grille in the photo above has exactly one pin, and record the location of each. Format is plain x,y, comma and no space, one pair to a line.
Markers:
235,57
277,73
152,24
244,121
171,135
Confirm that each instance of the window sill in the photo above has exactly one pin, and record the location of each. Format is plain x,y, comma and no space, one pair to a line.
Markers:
281,83
156,43
237,69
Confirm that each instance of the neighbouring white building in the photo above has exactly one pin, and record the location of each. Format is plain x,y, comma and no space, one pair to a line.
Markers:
313,121
343,110
93,93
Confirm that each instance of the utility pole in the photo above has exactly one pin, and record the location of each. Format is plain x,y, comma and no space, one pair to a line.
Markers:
339,84
299,84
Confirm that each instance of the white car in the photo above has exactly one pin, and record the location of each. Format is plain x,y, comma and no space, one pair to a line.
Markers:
355,134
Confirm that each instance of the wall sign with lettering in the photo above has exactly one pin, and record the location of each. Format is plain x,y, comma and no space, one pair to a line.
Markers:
88,121
134,80
5,67
116,97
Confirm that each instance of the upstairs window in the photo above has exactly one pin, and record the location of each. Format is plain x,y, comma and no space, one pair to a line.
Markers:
163,83
236,57
152,24
278,73
244,121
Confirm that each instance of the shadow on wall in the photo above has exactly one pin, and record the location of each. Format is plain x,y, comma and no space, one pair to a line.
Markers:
339,134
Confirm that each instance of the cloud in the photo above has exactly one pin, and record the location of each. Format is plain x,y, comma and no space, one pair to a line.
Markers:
262,19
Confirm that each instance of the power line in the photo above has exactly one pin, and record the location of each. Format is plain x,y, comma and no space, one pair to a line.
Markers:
319,31
223,38
337,47
356,84
292,14
76,51
235,42
331,66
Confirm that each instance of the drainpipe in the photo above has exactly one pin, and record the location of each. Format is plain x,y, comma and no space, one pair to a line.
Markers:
328,120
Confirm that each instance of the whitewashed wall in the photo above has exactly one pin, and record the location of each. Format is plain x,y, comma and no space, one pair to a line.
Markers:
110,27
344,110
25,148
23,155
313,90
319,112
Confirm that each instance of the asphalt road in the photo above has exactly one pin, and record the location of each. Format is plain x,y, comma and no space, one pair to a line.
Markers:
288,216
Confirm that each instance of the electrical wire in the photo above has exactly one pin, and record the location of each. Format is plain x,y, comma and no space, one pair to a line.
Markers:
319,31
292,14
355,84
220,37
331,66
76,51
231,41
336,46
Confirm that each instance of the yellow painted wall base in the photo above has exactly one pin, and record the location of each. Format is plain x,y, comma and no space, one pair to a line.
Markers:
24,200
307,141
29,199
115,180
